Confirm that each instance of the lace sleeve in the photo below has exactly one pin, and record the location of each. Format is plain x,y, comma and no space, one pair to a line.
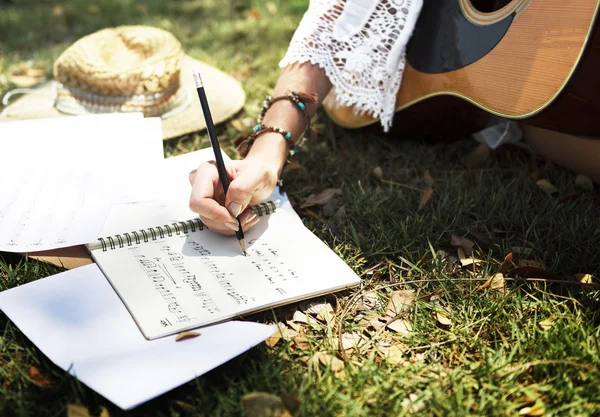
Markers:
361,45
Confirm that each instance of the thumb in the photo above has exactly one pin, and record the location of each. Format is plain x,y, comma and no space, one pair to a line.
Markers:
242,189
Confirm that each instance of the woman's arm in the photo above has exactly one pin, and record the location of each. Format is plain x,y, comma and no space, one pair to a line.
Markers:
255,177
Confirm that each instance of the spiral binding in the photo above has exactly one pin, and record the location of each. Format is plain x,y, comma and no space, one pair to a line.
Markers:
159,232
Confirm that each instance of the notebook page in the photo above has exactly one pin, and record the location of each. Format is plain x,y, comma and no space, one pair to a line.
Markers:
60,176
188,280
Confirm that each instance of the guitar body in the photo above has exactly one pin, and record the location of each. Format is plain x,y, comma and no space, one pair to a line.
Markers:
537,61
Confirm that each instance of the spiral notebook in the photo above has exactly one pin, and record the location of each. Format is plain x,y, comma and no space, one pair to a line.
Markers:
180,275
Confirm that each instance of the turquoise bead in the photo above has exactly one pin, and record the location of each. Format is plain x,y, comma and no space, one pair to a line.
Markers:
256,128
288,135
301,105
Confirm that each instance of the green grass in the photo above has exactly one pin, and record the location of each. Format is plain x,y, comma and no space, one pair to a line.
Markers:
494,358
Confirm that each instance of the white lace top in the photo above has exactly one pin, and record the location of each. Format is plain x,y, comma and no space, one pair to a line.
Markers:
361,45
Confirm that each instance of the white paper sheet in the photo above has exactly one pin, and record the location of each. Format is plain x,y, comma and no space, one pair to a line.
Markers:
76,319
59,176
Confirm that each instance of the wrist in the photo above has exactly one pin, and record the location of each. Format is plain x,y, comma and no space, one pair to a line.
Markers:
272,150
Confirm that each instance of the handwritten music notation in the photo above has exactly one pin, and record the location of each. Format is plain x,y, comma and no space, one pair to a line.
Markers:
190,279
219,275
266,261
158,277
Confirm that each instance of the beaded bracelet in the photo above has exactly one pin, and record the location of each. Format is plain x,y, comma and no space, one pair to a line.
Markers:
299,99
244,147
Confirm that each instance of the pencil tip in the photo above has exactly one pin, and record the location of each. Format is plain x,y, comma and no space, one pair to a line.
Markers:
243,246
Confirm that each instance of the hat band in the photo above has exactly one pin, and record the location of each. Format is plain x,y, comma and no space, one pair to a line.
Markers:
72,100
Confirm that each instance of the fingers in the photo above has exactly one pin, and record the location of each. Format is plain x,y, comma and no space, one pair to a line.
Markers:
248,220
202,199
242,189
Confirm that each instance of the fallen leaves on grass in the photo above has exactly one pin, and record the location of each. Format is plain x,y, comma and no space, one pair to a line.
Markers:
37,377
321,198
546,324
253,14
443,318
533,411
585,279
263,404
583,182
400,302
377,172
468,262
76,410
496,282
186,335
464,243
328,360
427,178
425,198
402,327
546,186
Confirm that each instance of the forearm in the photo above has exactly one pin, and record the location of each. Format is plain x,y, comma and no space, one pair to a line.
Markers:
305,78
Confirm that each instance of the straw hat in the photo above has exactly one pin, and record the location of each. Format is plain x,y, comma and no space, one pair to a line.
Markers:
130,69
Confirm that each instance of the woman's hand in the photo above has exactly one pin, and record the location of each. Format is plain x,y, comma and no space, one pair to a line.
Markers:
252,180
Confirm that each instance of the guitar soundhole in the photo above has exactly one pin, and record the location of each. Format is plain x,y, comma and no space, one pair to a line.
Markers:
489,6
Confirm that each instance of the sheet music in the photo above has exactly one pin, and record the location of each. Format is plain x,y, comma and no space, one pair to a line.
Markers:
60,176
184,281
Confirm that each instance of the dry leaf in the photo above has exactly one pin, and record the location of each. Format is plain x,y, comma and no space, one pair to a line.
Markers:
37,377
351,341
76,410
368,301
427,178
377,172
443,318
401,326
534,411
277,335
329,361
318,308
584,183
301,343
478,156
186,335
263,404
507,264
496,282
585,279
529,268
467,261
58,11
322,198
412,402
394,354
546,186
377,323
462,242
425,198
300,317
546,324
254,14
294,325
271,7
400,302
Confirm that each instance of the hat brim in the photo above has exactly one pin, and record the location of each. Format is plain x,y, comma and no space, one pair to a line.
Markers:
225,96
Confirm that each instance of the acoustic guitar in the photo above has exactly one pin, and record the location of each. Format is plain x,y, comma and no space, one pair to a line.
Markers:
537,61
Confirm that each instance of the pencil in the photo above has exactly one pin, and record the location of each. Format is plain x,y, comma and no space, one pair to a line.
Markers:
210,127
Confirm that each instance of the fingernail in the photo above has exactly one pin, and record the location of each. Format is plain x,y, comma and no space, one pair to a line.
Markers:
250,218
233,226
235,209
